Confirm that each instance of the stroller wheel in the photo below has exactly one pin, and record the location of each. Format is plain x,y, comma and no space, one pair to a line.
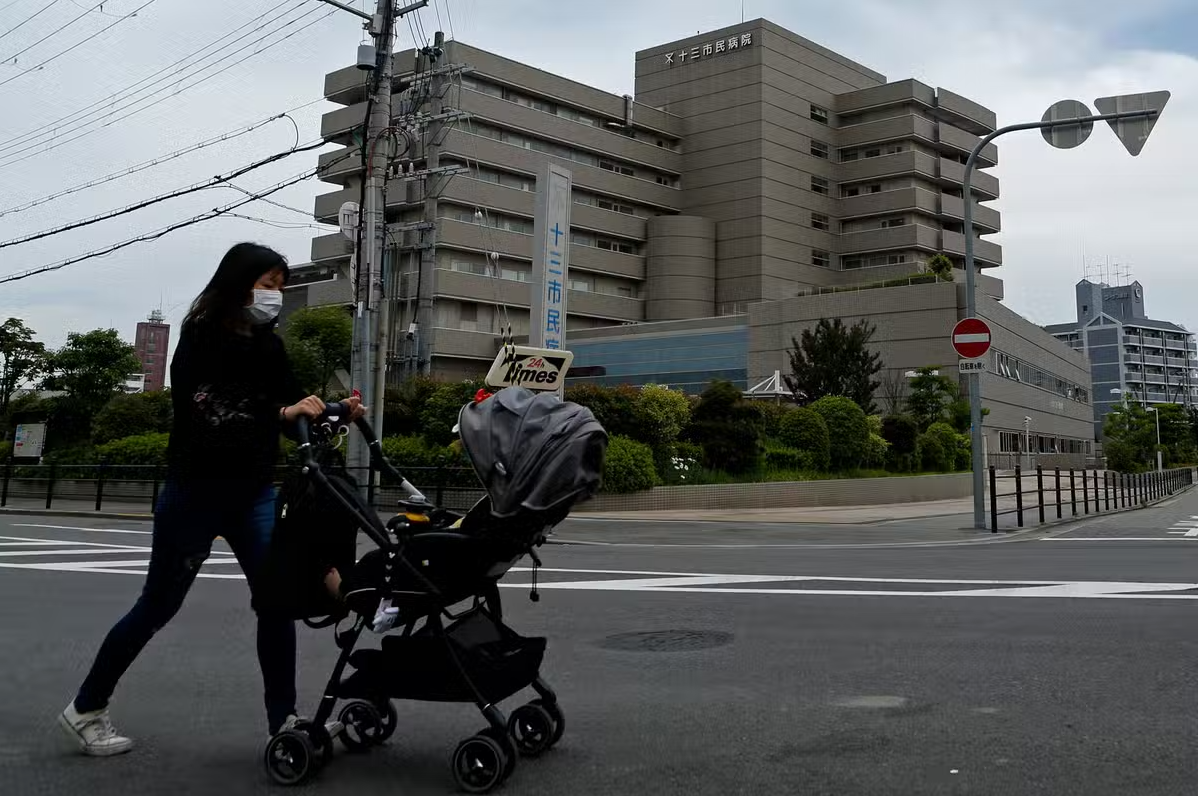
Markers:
390,716
480,764
559,719
532,729
363,726
290,758
322,742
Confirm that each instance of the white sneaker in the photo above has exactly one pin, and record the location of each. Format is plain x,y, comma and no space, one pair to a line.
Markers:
94,732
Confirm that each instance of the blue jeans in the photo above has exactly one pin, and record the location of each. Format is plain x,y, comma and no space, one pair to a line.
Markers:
187,520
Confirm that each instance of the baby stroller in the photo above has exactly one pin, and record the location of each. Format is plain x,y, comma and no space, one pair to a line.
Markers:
536,456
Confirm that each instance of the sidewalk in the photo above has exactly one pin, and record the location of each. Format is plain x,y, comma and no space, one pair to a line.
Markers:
833,515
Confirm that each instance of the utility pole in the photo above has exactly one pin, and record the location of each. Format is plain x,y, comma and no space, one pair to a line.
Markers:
428,253
371,244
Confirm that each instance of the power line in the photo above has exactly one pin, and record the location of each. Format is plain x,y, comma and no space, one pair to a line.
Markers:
215,181
214,213
104,107
280,205
228,136
29,19
75,46
319,226
51,34
107,113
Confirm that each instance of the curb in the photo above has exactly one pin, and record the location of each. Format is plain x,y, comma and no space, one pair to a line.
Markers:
68,513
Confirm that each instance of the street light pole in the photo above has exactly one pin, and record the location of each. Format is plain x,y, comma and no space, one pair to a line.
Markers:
1159,463
975,379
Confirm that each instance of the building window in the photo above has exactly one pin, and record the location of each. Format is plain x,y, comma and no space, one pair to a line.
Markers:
820,186
894,149
617,168
819,114
581,285
873,152
819,149
849,155
624,247
624,291
468,316
875,188
669,182
821,258
616,207
894,222
819,221
851,190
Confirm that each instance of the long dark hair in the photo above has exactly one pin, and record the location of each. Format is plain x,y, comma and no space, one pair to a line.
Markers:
222,303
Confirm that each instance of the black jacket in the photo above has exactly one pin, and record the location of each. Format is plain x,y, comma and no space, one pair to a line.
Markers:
227,390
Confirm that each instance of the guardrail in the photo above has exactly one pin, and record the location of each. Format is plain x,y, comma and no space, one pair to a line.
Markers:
97,484
1113,492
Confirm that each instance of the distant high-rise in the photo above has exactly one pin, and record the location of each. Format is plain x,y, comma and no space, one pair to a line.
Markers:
151,344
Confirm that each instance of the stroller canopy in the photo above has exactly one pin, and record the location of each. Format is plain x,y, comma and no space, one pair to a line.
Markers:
533,452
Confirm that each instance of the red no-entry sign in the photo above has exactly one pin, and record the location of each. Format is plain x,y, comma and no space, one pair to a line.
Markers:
971,338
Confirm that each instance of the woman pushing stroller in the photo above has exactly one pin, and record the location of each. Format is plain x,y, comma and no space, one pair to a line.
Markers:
233,392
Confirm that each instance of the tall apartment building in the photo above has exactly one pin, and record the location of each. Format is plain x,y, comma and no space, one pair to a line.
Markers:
1131,356
751,165
152,347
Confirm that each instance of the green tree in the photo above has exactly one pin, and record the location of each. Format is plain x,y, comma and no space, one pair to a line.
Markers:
941,267
613,407
931,395
444,406
834,359
132,415
938,448
1130,433
22,359
848,428
902,432
728,429
92,367
804,429
404,404
319,341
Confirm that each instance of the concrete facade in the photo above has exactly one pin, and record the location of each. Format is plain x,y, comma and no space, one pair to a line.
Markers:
1131,355
1037,388
751,165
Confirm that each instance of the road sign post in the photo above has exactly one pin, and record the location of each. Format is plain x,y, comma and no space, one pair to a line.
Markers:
1132,118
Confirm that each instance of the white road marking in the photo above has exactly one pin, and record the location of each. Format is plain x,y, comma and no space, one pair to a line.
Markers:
79,528
1115,539
1193,532
711,584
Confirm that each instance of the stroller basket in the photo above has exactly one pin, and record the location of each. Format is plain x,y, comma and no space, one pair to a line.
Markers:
428,666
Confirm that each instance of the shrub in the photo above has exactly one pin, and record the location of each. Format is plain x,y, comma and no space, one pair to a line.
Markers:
848,427
404,405
901,432
628,467
682,464
440,412
772,415
614,407
5,451
140,449
964,458
938,448
728,428
413,453
877,451
780,457
804,429
131,416
661,415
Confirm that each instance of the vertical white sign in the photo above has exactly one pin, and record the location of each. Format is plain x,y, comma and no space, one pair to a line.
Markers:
551,259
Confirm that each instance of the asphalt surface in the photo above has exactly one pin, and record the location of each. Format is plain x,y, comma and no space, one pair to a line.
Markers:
795,661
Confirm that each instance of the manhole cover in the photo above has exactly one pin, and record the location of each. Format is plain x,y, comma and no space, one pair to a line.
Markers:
666,641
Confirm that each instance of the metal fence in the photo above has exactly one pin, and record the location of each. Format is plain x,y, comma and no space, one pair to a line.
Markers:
1048,494
96,485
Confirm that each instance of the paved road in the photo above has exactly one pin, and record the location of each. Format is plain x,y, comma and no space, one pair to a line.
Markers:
1059,663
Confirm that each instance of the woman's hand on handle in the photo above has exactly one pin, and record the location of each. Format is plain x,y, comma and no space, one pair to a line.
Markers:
356,410
311,407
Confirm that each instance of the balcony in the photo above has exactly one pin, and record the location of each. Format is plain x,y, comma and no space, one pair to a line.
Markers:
887,166
958,141
984,252
905,92
965,113
896,128
985,219
488,290
874,204
475,237
331,247
911,236
952,173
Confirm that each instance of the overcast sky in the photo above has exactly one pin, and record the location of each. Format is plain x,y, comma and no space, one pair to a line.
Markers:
1057,205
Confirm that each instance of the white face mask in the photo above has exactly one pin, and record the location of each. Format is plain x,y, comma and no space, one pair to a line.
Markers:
266,305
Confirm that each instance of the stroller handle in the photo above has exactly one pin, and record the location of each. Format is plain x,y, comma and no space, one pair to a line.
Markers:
303,430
